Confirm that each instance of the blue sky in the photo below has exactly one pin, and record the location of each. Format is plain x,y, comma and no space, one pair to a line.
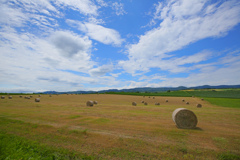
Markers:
98,44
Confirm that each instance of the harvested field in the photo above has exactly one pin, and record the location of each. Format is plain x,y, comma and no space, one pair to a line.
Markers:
114,129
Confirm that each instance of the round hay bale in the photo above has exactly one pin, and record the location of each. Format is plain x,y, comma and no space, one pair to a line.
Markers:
10,97
183,100
31,96
39,95
20,96
95,102
199,106
142,101
166,100
90,103
187,102
50,95
202,99
184,118
157,103
134,103
145,103
2,97
149,97
153,97
37,99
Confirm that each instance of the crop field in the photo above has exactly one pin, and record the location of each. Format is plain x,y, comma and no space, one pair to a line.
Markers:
63,127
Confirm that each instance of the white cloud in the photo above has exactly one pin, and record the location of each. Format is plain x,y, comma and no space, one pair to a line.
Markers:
28,14
86,7
179,28
12,17
102,70
210,75
102,3
225,71
71,45
118,7
153,77
30,63
36,6
98,32
27,60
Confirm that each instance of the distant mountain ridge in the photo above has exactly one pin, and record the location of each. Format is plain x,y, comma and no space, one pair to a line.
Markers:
146,89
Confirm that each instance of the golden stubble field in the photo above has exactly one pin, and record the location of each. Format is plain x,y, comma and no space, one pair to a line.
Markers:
114,129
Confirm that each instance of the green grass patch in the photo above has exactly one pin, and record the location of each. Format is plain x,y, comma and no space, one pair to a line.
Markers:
228,156
225,102
15,147
172,93
231,93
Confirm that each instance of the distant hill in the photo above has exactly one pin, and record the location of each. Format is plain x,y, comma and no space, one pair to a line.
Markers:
146,89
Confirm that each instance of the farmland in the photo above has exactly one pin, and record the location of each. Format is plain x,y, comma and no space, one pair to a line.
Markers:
63,127
219,93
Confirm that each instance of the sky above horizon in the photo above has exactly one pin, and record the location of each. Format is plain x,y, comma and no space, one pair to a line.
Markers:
72,45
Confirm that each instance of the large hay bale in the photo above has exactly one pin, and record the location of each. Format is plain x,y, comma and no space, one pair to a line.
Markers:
199,106
184,118
202,99
187,102
10,97
2,97
153,97
90,103
145,103
183,100
39,95
95,102
37,99
142,101
157,103
134,103
166,100
31,96
20,96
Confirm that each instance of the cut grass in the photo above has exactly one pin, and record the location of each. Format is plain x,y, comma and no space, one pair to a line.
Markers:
117,130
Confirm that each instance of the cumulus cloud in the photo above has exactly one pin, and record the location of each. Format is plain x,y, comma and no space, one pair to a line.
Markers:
26,59
70,44
180,24
102,70
98,32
